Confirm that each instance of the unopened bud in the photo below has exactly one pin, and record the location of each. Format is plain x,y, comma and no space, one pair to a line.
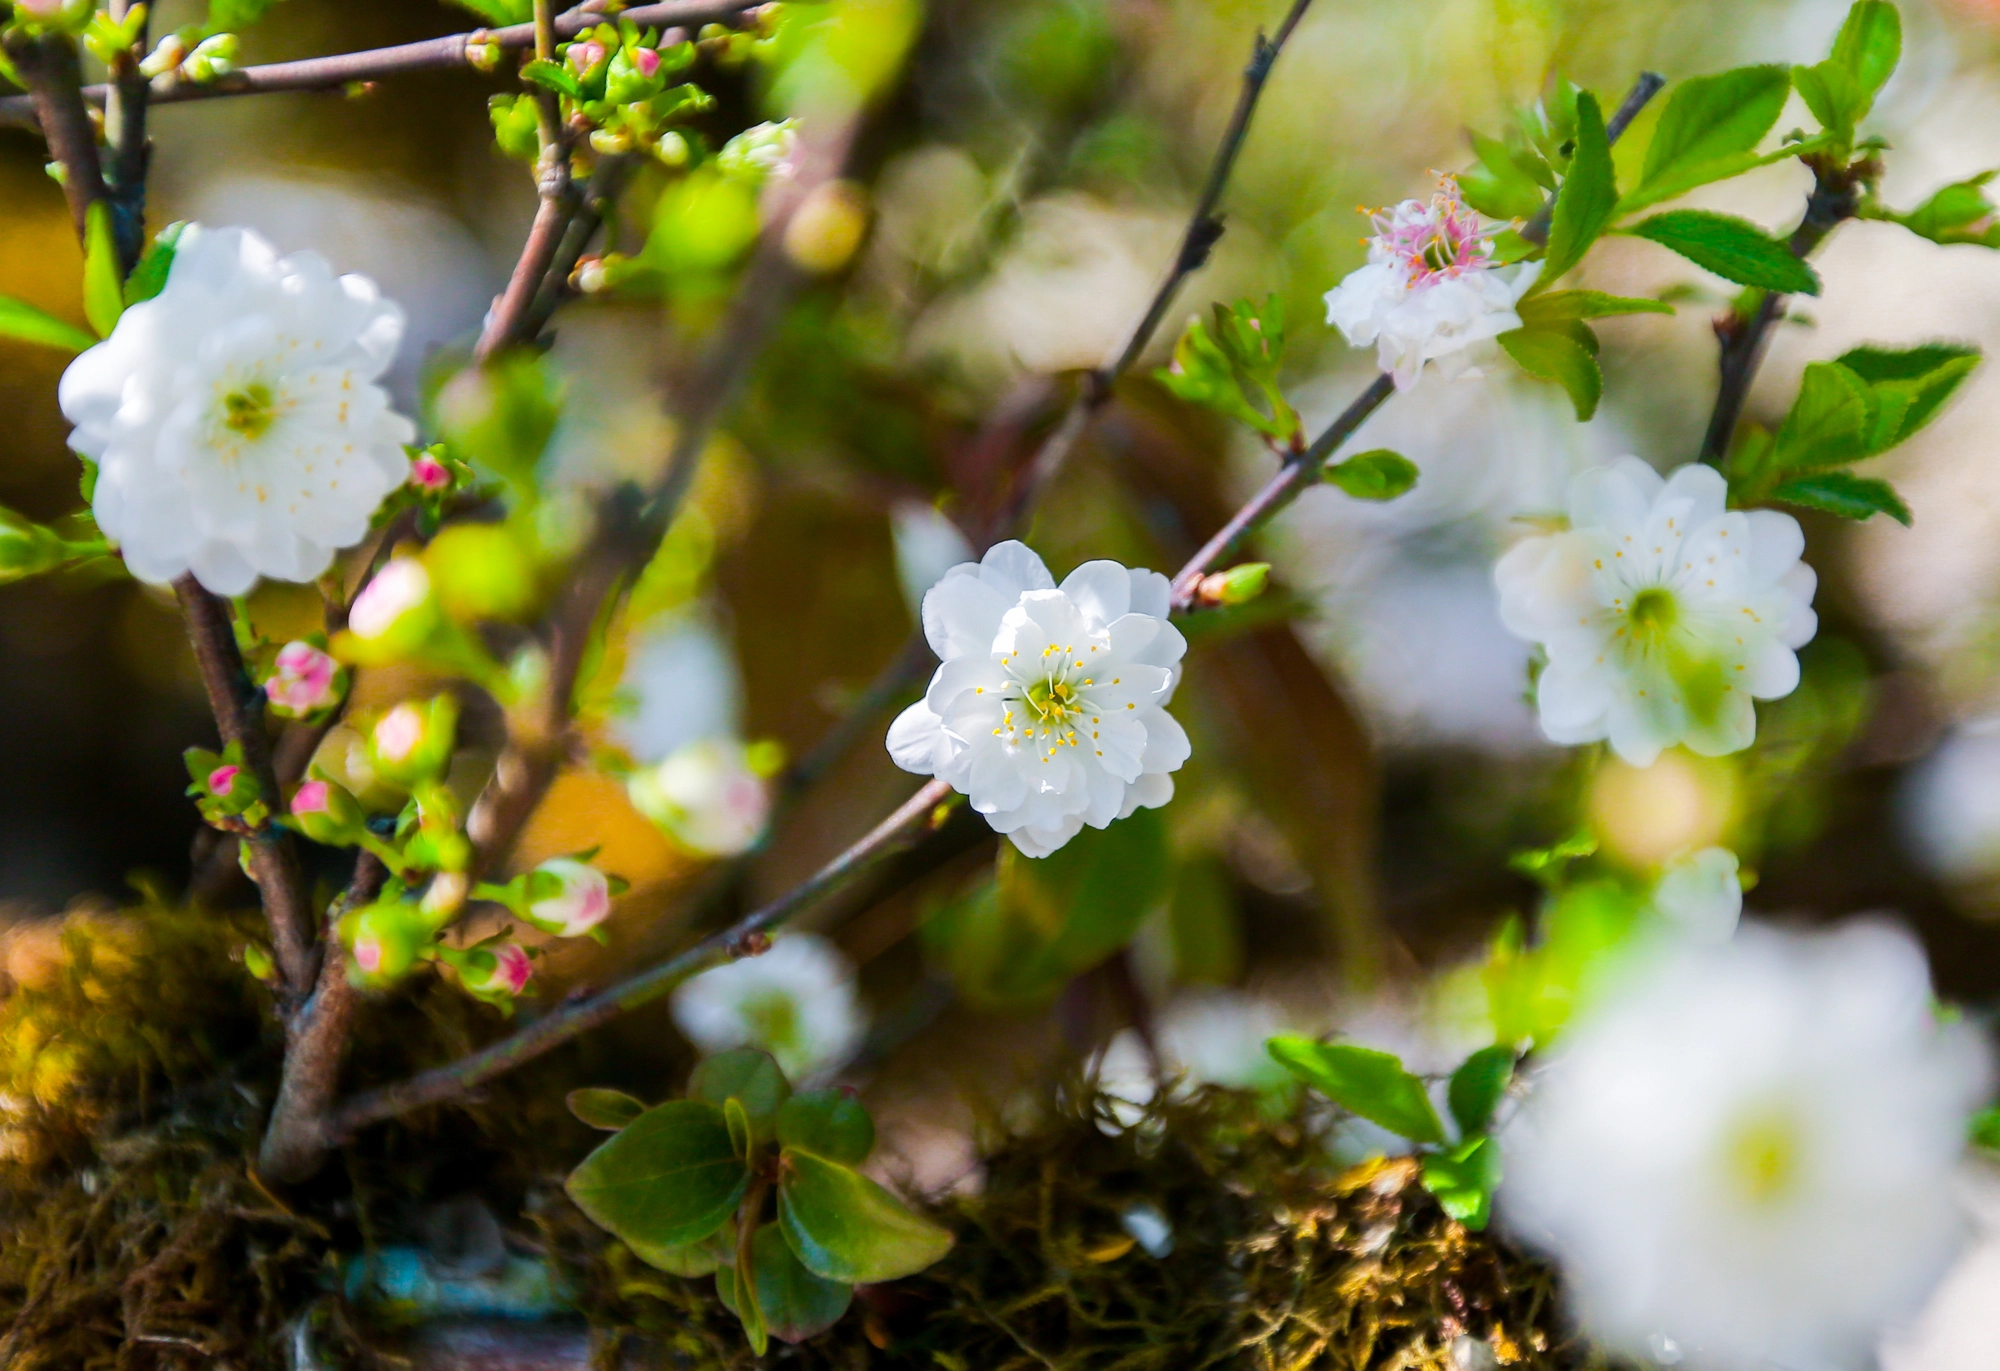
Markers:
304,680
610,142
384,941
258,963
646,61
585,55
211,59
482,53
327,813
672,149
428,474
413,742
222,780
1237,586
168,54
589,276
567,897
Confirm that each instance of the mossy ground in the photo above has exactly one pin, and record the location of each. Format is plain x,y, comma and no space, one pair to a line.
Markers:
135,1070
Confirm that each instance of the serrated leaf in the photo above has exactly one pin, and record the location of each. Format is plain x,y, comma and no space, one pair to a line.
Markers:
1867,48
1844,494
1477,1087
669,1178
1377,474
1710,126
795,1303
829,1123
609,1110
103,287
552,76
1589,193
1957,213
1560,306
1497,185
845,1227
1230,364
149,276
21,320
1555,353
1829,92
1909,386
1734,249
748,1075
1830,422
1363,1081
1464,1178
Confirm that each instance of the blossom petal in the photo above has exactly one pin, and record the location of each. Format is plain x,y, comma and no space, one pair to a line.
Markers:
1101,590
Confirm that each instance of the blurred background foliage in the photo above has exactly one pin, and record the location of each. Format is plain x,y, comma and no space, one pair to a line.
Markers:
1364,760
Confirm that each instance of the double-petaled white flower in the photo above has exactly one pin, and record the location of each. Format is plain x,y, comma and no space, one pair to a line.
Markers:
796,1001
1748,1153
235,417
1431,291
1663,613
1049,710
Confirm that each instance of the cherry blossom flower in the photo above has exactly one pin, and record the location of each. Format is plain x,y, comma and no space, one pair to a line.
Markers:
304,680
1663,613
708,795
1748,1153
580,902
235,417
1431,290
1049,710
796,1001
1700,895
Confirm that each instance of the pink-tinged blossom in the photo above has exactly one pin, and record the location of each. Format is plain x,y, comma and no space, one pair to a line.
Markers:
368,953
503,968
647,61
585,55
395,590
1431,290
222,780
303,681
398,733
312,798
427,473
581,904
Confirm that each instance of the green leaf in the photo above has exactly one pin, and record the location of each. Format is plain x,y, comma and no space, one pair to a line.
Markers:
741,1138
1464,1178
103,287
1230,365
1478,1085
1830,94
1909,385
795,1303
1710,127
1845,494
1830,422
845,1227
830,1123
670,1178
23,321
1958,213
1985,1129
749,1075
149,277
1363,1081
609,1110
1377,474
552,76
729,1287
1557,354
1561,306
500,13
1867,48
1734,249
1588,196
689,1259
234,16
1498,186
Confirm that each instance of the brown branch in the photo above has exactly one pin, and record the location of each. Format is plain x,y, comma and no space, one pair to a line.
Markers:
456,50
507,323
458,1079
48,65
131,152
236,704
315,1044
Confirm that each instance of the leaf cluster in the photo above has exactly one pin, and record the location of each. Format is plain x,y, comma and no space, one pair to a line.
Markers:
1231,366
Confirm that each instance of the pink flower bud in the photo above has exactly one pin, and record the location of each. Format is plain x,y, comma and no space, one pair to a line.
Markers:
303,679
428,473
583,56
398,588
646,60
399,732
222,780
513,970
581,903
368,953
312,798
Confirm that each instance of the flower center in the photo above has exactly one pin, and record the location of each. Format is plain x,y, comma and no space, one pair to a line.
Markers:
1654,611
1762,1157
1053,700
248,411
1440,253
773,1019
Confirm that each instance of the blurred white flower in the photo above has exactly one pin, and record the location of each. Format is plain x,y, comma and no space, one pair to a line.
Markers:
1749,1152
1431,290
569,899
684,687
796,1001
927,546
235,417
1212,1037
709,795
1049,708
1663,614
1700,895
1950,805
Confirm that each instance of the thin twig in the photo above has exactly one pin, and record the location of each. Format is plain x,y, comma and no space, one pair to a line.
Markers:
431,54
239,718
315,1045
744,937
131,152
48,65
599,195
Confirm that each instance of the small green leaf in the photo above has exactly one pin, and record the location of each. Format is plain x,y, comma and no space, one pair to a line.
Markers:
741,1137
1363,1081
1589,192
1464,1178
1985,1129
1734,249
1957,213
845,1227
1230,365
831,1123
689,1259
1867,48
552,76
23,321
1830,94
1830,422
609,1110
234,16
500,13
1845,494
1498,186
149,277
795,1303
1377,474
669,1178
1710,127
1561,306
729,1287
103,289
1478,1085
1909,385
1557,354
749,1075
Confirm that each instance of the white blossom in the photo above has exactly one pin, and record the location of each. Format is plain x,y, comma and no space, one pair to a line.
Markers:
1950,804
235,417
1048,711
1748,1153
708,795
1431,290
1663,613
1700,894
928,544
683,686
796,1001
